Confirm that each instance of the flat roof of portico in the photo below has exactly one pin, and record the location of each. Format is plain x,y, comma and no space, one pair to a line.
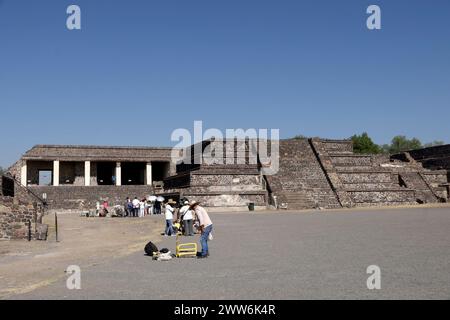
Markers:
98,153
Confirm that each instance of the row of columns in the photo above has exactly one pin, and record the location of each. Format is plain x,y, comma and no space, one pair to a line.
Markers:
87,173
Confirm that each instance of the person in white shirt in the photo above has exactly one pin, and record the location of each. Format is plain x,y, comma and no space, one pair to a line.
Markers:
206,227
188,219
169,218
136,206
141,208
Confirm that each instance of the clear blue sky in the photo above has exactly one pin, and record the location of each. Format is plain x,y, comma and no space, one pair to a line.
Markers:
138,69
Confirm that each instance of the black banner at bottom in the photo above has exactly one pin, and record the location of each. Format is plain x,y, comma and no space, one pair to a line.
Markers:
157,309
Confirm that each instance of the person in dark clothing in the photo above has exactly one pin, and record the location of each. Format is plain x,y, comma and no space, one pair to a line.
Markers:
157,207
130,208
127,206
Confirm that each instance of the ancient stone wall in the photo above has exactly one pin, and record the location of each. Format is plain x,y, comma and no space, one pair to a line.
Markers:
15,169
431,158
9,187
438,181
382,197
245,182
15,218
229,200
337,146
231,155
367,180
351,160
220,190
84,198
220,183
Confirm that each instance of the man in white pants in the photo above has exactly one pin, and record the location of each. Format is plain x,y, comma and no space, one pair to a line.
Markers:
188,219
169,218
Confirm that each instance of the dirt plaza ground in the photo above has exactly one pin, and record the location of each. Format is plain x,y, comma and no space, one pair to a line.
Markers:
271,255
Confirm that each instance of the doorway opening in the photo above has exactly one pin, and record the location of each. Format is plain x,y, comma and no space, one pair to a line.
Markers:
45,178
133,173
106,173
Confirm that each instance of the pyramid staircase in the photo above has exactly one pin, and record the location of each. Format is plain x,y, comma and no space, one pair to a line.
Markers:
361,180
300,183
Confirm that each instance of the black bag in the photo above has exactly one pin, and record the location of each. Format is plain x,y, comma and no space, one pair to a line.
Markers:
150,248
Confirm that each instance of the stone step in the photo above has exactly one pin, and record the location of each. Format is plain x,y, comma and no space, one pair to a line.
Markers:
353,167
365,178
423,192
370,186
382,196
362,169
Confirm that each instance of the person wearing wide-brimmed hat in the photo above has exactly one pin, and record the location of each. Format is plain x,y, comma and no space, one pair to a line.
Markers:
169,218
187,218
205,226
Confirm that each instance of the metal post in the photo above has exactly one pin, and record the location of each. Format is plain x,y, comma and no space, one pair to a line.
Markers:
56,226
29,230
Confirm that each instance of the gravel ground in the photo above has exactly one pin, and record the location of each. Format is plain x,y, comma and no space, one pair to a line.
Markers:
315,255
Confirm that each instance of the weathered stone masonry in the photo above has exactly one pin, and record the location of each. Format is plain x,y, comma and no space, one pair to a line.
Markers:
368,180
313,173
436,161
15,219
219,186
18,209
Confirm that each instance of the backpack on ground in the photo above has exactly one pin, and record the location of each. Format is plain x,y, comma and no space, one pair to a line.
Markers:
150,249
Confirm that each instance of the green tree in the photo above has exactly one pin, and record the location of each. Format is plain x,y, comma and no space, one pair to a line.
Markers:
385,148
364,144
2,171
401,144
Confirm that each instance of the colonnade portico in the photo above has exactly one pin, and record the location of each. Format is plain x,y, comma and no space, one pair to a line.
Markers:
88,174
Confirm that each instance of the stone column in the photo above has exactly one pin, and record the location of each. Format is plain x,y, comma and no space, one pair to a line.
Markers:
118,174
56,173
149,178
23,174
87,173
